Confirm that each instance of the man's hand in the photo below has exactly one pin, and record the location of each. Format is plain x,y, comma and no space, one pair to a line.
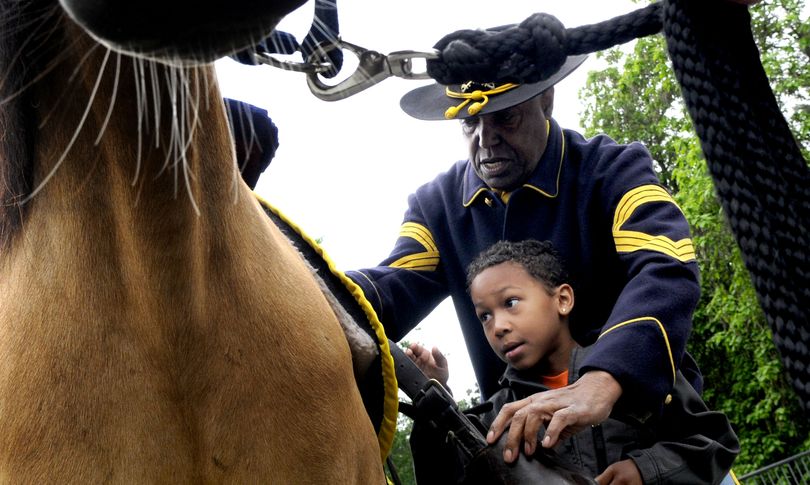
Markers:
433,363
623,472
567,411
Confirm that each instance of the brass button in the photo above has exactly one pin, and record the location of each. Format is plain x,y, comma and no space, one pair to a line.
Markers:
668,399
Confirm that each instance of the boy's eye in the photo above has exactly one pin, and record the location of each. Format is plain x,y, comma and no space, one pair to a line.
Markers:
484,317
511,302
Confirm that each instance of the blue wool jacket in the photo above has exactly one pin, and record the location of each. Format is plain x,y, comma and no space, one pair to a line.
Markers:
624,241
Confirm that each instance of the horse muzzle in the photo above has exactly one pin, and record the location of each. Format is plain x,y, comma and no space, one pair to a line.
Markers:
179,31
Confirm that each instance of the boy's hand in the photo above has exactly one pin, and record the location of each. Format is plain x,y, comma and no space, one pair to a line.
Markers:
567,410
623,472
433,363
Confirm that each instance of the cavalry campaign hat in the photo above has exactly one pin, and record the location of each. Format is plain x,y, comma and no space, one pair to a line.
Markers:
459,101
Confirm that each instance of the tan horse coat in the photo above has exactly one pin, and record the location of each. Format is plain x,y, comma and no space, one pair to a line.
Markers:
144,342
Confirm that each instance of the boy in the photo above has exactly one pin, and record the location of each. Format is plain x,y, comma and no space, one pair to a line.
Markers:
522,298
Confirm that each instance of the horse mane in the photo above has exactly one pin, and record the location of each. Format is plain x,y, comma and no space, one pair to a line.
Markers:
22,57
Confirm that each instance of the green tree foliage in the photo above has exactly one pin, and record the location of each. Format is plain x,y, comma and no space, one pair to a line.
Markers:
401,451
782,31
636,98
400,454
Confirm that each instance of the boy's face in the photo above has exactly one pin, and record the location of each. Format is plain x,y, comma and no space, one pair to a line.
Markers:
522,321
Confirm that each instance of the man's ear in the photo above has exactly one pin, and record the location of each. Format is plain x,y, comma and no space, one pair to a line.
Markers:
565,299
547,101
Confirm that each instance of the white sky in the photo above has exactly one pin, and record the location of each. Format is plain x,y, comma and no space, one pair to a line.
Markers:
344,170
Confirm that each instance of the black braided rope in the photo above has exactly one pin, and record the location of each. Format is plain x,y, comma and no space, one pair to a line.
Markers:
762,180
534,49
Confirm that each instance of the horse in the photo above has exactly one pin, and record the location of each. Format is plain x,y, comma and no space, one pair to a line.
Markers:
155,326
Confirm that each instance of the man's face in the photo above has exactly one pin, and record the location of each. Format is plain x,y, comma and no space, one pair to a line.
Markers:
506,146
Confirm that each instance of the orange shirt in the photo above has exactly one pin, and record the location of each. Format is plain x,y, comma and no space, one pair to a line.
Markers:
555,382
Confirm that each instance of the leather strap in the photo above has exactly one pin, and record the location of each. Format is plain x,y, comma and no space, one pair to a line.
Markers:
409,377
433,403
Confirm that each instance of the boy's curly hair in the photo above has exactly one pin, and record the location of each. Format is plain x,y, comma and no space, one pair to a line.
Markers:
539,259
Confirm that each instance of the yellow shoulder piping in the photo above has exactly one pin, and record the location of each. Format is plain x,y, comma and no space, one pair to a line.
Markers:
477,192
663,333
559,168
734,477
376,291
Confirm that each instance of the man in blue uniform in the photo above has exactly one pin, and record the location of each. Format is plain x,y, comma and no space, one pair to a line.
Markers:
624,239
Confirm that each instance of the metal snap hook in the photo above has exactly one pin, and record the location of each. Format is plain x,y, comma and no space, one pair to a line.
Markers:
373,67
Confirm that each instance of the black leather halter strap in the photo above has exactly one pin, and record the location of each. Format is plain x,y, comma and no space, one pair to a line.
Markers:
409,377
432,402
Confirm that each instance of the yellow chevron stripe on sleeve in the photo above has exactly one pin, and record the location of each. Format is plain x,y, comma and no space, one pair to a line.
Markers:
663,333
637,197
420,234
427,261
629,241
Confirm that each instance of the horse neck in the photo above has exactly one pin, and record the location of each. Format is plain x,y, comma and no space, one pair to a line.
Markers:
153,176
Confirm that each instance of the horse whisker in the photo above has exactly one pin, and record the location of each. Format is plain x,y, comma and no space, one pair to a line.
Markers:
155,100
206,87
188,176
167,74
140,100
322,28
50,113
112,99
75,133
44,72
236,172
38,22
